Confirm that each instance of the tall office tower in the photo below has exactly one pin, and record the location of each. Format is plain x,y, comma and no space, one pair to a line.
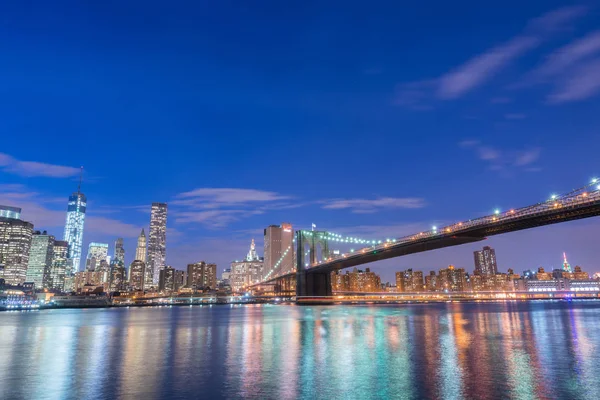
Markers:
10,212
96,253
246,272
15,242
278,239
119,258
137,275
74,226
485,261
157,243
140,250
58,272
40,260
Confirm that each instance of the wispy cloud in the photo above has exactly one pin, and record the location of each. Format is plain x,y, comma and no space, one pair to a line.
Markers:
569,55
219,207
481,68
11,165
503,160
364,206
583,83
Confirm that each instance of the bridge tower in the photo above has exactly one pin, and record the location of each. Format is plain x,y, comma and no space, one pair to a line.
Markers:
313,284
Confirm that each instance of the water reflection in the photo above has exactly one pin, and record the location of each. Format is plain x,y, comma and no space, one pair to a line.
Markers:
450,351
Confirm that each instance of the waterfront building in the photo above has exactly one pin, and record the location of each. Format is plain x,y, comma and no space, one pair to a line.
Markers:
339,282
542,275
201,275
248,271
453,279
166,280
363,281
40,260
118,277
15,244
119,256
485,261
278,240
140,250
179,279
73,235
58,271
137,275
10,212
580,275
96,253
88,280
157,243
431,282
409,281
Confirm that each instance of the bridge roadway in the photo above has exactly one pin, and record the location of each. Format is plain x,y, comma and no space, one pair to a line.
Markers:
578,204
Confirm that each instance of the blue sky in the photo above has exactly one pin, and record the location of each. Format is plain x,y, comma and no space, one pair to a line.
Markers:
374,119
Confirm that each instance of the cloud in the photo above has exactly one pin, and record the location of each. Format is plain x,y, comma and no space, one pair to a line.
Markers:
515,116
502,160
570,55
582,84
33,168
363,206
481,68
218,207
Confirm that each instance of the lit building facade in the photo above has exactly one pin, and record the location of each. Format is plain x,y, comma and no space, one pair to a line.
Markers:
119,256
140,250
96,253
137,275
118,278
201,275
166,280
74,227
485,261
246,272
39,266
10,212
58,272
157,243
15,243
278,239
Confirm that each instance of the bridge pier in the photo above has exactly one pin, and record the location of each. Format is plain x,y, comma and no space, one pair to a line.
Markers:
313,284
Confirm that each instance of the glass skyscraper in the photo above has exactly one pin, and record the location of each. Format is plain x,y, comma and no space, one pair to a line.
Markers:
157,243
74,228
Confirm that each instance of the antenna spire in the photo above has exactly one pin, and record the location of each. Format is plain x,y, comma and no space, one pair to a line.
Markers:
80,179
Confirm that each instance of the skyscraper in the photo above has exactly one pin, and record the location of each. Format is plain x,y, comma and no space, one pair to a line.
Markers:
157,244
566,265
278,239
58,272
40,260
485,261
140,250
15,242
97,252
74,226
247,272
119,258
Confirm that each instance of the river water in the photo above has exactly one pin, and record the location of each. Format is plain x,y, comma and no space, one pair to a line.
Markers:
522,350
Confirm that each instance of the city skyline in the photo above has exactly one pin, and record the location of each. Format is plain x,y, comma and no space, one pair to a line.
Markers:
509,137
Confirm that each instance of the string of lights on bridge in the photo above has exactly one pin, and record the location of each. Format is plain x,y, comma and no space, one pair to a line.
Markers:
577,196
